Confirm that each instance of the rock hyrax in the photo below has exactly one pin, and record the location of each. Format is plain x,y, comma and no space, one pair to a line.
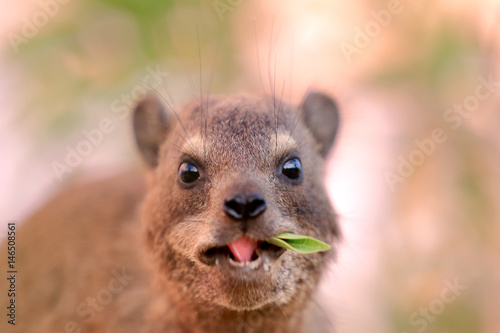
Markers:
185,250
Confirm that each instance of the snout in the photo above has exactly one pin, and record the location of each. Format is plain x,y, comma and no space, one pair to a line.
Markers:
244,202
243,206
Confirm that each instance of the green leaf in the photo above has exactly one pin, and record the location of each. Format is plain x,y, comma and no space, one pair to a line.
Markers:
298,243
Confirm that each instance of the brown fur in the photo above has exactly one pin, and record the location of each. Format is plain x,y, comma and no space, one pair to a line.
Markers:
73,248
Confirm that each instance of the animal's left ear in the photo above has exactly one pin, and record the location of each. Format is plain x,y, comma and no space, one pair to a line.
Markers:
151,125
321,116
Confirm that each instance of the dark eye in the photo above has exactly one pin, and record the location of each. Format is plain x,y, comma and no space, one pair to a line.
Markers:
188,173
292,168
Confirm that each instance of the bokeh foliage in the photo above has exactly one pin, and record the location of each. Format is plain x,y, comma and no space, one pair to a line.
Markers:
93,50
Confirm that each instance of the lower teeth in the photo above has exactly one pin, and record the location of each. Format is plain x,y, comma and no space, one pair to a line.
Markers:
250,264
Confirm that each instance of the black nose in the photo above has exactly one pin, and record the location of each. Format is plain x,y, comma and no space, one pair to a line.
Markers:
241,208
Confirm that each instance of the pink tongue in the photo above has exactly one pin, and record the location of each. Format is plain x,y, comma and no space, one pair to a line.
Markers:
243,248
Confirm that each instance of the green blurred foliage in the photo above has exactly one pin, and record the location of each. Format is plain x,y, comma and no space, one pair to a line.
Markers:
94,50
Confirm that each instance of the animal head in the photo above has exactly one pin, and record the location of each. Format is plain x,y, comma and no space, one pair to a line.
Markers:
225,174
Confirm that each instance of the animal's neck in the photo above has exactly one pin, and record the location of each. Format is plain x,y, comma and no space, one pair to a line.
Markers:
265,320
181,315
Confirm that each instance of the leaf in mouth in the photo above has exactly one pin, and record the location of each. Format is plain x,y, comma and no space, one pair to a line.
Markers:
298,243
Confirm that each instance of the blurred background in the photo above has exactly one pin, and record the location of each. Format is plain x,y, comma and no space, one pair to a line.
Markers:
415,175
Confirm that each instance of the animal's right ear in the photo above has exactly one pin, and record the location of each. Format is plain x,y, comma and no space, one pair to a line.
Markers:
321,115
151,124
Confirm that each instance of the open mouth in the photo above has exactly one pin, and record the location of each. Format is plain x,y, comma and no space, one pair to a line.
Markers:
243,252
